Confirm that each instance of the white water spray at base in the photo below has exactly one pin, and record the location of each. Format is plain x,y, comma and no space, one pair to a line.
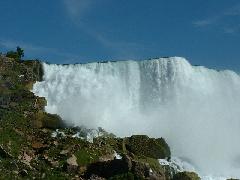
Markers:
194,108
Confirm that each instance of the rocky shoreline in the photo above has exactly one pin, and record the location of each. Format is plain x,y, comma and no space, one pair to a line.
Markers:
36,145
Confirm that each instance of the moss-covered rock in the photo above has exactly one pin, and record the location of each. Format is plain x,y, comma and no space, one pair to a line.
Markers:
46,120
142,145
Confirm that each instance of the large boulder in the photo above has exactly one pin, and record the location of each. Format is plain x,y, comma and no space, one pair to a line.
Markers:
142,145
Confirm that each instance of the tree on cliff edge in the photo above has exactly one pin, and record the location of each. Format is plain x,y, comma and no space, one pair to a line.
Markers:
17,55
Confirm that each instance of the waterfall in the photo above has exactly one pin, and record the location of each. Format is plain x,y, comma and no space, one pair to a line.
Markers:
196,109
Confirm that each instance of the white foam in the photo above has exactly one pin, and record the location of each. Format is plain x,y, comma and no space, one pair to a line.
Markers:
117,156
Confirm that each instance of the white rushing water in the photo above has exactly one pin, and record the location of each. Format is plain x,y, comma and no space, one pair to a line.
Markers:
197,110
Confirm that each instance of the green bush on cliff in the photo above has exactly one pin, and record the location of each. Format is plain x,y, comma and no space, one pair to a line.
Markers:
17,55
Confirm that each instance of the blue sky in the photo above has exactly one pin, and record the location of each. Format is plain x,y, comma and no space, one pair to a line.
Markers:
206,32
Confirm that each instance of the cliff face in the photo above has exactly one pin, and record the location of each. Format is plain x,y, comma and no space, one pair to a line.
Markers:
35,144
16,81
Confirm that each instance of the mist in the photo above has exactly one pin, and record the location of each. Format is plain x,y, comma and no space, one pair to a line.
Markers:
194,108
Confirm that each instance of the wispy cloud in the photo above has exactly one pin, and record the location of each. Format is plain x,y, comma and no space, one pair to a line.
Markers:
232,30
233,11
221,20
206,22
77,11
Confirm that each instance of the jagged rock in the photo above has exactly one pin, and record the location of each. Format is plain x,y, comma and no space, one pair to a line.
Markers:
107,157
144,146
26,159
186,176
72,160
23,173
4,153
72,165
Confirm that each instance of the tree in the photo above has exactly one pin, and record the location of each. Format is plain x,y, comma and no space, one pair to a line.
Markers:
17,55
20,52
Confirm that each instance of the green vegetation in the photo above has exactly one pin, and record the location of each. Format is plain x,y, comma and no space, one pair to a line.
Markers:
17,55
84,157
153,163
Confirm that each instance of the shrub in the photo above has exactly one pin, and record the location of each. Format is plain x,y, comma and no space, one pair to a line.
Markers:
17,55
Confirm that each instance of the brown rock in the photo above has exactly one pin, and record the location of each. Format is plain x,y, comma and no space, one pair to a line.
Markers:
72,160
107,157
64,152
26,159
38,145
72,165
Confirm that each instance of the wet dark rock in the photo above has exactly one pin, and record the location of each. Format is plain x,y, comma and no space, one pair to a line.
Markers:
186,176
23,173
4,153
107,169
